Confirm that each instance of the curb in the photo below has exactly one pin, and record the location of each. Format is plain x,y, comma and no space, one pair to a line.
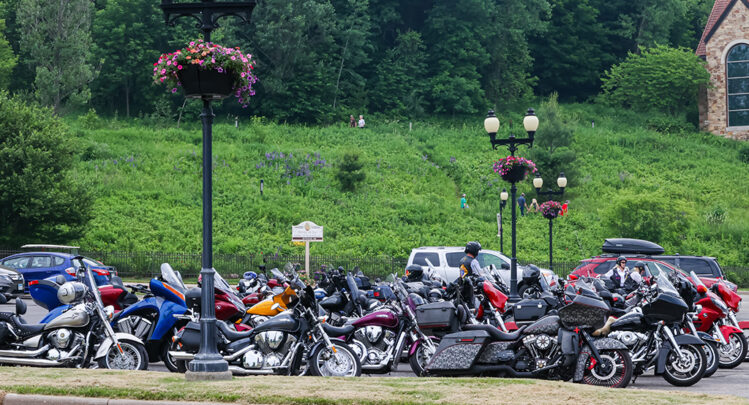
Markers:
18,399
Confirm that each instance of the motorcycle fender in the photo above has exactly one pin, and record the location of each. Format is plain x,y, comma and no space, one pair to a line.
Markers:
415,345
107,343
728,330
166,320
660,364
321,342
688,340
706,337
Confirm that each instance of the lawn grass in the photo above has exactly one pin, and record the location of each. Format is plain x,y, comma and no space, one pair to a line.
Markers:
315,390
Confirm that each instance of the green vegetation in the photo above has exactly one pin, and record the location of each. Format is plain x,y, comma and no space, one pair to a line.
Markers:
687,191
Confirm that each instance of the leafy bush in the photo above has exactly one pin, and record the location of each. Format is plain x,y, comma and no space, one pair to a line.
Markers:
90,120
647,216
669,125
350,172
744,154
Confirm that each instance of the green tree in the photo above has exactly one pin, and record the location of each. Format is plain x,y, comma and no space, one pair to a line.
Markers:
399,85
7,58
38,197
648,216
56,38
552,151
350,173
352,37
659,78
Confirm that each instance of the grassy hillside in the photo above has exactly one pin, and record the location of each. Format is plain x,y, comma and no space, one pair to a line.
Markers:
147,180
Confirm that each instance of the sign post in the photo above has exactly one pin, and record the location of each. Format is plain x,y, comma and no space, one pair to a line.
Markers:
306,232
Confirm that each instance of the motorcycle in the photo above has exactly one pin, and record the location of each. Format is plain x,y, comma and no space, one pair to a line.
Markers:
82,333
553,347
292,343
647,330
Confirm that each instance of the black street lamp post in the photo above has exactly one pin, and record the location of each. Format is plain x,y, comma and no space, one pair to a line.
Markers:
491,125
502,202
538,182
208,363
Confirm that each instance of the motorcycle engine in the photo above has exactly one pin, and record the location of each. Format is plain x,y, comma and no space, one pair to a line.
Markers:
65,343
630,339
372,343
269,350
60,338
541,348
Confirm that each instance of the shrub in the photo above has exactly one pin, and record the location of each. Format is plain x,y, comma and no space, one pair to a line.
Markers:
647,216
744,154
350,172
90,120
669,125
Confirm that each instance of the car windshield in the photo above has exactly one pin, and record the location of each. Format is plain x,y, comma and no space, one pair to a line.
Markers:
170,277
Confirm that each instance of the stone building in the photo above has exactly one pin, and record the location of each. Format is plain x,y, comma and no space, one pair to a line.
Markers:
724,106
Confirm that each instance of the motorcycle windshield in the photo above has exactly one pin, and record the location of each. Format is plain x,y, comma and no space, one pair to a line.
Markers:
278,275
170,277
665,285
220,284
696,280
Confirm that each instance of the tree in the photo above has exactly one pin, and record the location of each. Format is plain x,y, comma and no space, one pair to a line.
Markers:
398,83
659,78
38,197
350,173
7,58
57,39
552,150
352,37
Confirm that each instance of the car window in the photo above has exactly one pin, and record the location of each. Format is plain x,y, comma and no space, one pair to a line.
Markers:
486,259
58,260
18,262
41,261
420,259
92,263
453,259
699,266
604,267
657,268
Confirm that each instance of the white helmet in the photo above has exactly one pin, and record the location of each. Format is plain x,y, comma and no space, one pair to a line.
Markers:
70,292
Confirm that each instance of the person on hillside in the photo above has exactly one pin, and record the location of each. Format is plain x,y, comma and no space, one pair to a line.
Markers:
564,207
522,205
534,206
618,275
361,121
463,202
352,121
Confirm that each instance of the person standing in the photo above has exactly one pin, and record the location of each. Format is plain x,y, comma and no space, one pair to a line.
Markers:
564,207
521,204
618,275
361,121
463,202
352,121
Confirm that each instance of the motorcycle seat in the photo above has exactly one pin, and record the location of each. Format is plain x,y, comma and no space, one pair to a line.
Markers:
231,334
495,333
25,329
336,331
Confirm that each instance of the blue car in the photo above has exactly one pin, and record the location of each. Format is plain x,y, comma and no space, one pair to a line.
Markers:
40,265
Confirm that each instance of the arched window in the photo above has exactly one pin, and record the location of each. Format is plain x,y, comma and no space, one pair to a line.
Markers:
737,73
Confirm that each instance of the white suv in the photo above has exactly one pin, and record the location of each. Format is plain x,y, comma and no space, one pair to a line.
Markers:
446,261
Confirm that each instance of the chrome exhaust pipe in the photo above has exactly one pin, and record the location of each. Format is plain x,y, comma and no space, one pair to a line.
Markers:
24,353
30,362
243,371
191,356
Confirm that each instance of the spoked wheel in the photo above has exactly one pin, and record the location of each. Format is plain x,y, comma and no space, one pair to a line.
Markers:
170,362
421,358
687,370
133,357
341,362
711,356
733,353
614,370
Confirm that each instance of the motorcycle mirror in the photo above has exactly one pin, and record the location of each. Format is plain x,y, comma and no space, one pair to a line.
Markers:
3,299
275,306
505,266
116,280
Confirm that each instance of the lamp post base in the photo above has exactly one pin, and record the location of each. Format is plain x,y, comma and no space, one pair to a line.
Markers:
208,376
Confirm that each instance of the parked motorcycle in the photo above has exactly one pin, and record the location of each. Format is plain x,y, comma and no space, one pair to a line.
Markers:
80,335
292,343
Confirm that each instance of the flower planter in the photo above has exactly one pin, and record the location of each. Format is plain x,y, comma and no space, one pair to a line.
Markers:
515,174
199,83
550,215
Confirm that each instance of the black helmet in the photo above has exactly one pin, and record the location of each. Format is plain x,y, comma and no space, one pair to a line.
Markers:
414,272
621,259
640,265
473,248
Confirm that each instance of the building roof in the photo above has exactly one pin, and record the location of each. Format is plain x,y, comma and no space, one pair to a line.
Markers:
720,9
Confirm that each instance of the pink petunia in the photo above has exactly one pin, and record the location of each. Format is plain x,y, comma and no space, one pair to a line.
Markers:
174,90
163,71
179,67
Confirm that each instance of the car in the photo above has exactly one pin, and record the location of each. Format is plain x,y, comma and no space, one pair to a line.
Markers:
43,264
11,282
445,260
651,254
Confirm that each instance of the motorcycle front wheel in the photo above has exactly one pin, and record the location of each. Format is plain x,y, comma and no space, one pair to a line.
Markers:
614,370
421,358
133,357
733,354
686,371
342,362
711,356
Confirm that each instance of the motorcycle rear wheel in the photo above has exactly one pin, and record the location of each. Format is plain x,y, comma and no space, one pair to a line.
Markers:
688,372
341,363
734,353
615,372
134,357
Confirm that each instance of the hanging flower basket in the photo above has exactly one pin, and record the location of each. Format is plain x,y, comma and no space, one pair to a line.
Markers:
550,209
207,70
514,169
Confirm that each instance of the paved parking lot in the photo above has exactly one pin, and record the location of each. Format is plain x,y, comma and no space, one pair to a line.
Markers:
733,382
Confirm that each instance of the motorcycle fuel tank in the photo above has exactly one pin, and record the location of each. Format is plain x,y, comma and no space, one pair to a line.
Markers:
281,322
384,318
632,321
75,317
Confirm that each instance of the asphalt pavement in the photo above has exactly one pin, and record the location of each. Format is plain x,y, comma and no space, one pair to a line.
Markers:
733,381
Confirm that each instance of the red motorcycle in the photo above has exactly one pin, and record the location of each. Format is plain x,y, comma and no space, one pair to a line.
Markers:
714,319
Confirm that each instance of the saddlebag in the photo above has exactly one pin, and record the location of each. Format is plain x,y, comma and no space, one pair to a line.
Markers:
437,315
4,332
458,351
190,338
529,310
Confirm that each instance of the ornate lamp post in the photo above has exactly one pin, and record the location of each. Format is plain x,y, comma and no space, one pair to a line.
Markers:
503,196
491,125
208,363
538,182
